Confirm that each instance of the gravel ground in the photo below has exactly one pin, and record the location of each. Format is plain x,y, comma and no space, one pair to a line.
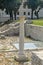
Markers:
15,39
7,58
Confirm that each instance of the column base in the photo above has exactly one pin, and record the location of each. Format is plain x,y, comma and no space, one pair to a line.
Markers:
21,58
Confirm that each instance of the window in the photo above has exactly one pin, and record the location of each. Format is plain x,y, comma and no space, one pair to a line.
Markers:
28,13
24,13
17,13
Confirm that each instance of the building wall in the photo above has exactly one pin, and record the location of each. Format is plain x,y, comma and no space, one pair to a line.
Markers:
3,16
41,13
25,10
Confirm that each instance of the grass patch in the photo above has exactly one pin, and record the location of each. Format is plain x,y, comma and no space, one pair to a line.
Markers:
17,20
38,22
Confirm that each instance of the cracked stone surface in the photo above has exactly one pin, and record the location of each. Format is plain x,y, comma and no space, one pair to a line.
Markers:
37,57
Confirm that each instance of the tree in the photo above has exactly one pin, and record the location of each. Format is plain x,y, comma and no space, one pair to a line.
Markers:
37,11
10,6
16,7
40,7
33,4
1,4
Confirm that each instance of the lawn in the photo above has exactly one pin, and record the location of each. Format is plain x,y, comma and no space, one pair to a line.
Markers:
38,22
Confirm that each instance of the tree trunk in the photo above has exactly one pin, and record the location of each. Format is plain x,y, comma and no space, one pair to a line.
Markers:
37,16
11,15
32,14
15,15
36,13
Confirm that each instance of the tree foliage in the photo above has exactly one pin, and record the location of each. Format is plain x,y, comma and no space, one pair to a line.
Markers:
10,6
2,4
33,4
40,7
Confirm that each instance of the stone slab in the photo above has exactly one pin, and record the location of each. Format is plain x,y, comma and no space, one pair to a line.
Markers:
37,58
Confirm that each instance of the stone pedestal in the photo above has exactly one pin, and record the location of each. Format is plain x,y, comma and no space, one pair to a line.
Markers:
21,59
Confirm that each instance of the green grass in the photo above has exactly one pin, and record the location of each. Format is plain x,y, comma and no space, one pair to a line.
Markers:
38,22
17,20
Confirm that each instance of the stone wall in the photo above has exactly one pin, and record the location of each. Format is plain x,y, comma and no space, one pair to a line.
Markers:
3,19
34,31
11,31
36,58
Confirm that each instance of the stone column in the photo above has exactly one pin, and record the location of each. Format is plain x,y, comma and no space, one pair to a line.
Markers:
21,58
21,38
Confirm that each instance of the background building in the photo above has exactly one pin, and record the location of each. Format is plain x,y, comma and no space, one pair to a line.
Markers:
3,16
21,12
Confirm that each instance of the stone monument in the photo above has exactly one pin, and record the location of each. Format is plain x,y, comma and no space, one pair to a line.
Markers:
21,57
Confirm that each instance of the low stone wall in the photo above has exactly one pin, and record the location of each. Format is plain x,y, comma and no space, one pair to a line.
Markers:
37,58
3,19
11,31
34,31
